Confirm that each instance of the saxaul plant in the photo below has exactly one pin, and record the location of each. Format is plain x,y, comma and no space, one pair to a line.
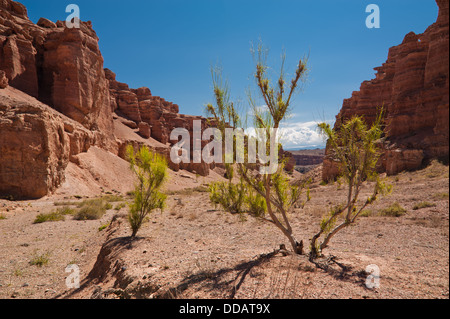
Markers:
271,187
354,147
151,171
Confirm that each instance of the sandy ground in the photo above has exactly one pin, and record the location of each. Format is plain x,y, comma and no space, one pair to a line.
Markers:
192,250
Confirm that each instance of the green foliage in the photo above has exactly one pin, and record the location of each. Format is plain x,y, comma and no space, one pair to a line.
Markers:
92,209
104,226
151,171
231,197
354,147
40,259
119,206
256,203
112,198
54,216
270,193
394,210
50,217
237,198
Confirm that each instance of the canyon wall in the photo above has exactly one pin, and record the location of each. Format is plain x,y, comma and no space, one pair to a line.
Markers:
412,87
57,100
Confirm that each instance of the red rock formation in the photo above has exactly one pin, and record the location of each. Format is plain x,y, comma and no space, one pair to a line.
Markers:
412,86
61,67
154,117
3,80
36,145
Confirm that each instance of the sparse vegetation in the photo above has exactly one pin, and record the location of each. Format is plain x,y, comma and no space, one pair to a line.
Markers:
189,191
273,186
423,205
92,209
440,196
103,227
54,216
394,210
40,259
113,198
366,213
354,148
436,169
120,206
151,171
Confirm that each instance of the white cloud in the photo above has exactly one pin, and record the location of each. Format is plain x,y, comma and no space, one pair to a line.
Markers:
298,135
301,135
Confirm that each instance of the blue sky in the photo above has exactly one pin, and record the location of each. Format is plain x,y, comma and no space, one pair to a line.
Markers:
169,46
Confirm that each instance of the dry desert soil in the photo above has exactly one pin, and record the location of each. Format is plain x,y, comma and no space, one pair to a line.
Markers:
193,250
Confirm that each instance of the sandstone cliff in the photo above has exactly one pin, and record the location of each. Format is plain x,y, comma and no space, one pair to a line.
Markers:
61,101
412,86
61,67
36,145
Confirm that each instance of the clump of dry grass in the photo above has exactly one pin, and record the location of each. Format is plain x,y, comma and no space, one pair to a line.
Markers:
436,169
423,205
92,209
40,259
394,210
54,216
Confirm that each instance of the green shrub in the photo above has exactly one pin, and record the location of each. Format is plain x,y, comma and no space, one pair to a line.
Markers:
151,171
50,217
231,197
104,226
366,213
112,198
395,210
256,203
92,209
40,259
120,206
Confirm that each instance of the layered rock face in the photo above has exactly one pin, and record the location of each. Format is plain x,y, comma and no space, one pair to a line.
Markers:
154,117
412,87
61,67
36,145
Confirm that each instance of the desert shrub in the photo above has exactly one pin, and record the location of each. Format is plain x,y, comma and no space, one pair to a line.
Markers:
40,259
436,169
113,198
92,209
366,213
270,184
354,147
2,216
120,206
440,196
256,203
104,226
423,205
237,198
151,171
394,210
229,196
54,216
